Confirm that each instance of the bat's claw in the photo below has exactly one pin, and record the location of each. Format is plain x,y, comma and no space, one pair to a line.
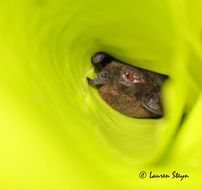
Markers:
152,103
96,82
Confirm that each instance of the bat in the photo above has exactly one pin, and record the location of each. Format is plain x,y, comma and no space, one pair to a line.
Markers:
132,91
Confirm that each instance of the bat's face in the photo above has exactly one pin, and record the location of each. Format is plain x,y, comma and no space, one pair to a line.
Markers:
129,79
130,90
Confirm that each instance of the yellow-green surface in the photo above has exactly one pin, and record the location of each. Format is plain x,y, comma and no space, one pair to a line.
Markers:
55,130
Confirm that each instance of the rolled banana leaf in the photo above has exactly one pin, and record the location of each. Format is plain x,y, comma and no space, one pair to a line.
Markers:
56,132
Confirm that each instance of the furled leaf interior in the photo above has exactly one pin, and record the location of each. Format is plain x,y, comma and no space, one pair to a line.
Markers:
56,132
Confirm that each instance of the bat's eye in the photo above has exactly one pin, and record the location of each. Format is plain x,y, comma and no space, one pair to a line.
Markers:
129,76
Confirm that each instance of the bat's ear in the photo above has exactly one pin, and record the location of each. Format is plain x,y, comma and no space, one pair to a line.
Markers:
152,103
100,60
160,79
